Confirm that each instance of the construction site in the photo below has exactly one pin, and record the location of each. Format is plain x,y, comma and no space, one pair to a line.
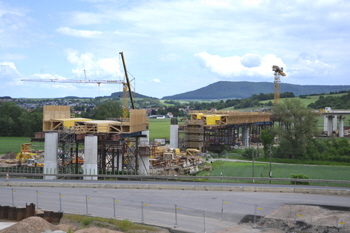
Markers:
122,146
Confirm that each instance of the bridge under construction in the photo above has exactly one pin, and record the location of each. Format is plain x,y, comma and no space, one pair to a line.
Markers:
209,131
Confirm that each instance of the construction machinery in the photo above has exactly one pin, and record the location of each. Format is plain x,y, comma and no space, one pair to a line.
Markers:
26,153
29,156
277,81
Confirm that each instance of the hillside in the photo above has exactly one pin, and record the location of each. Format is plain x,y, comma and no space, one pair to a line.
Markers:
136,95
233,90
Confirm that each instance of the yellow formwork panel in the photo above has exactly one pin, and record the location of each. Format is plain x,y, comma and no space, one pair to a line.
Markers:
211,119
196,116
70,122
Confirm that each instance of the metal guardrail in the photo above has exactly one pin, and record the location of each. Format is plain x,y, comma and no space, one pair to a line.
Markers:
224,179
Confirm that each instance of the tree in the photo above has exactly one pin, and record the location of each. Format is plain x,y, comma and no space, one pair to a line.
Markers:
109,109
297,127
267,138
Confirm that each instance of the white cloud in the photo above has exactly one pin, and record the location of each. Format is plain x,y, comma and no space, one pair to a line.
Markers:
78,33
156,80
311,66
251,65
95,68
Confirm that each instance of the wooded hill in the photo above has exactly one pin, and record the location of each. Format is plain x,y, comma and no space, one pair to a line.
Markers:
233,90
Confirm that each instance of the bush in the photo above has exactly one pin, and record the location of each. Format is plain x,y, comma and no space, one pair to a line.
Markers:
299,176
87,221
125,225
249,153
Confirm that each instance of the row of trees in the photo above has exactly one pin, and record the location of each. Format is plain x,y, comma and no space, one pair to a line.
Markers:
297,131
17,122
341,102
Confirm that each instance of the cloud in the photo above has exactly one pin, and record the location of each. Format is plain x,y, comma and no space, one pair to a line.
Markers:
95,68
310,65
78,33
9,75
251,65
156,80
251,60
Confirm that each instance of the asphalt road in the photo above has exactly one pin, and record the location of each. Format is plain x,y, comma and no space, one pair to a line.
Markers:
191,211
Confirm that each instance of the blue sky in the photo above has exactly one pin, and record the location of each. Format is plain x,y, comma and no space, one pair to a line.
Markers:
170,46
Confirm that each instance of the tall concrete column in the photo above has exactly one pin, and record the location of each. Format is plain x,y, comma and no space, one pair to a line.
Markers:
330,125
50,159
325,121
335,123
90,157
341,126
245,135
144,141
144,165
174,133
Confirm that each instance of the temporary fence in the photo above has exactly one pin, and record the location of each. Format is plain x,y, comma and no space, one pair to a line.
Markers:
67,173
182,217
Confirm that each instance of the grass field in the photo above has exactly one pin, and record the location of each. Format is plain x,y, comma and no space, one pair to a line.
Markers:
159,128
13,144
245,169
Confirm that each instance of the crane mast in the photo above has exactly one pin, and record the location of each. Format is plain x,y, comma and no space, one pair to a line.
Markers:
277,82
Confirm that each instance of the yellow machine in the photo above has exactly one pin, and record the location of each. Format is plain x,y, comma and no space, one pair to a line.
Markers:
26,153
29,156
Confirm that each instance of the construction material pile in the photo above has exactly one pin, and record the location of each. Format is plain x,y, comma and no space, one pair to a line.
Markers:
168,161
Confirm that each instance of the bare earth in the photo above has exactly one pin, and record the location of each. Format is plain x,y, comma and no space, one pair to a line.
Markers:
282,219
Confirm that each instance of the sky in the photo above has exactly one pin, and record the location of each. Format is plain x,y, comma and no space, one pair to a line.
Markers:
170,46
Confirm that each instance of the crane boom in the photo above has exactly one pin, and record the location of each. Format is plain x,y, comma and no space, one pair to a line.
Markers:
127,81
76,81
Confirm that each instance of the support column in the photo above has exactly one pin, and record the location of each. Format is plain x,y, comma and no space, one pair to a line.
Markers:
245,135
144,165
50,159
341,126
144,141
90,157
325,123
335,123
330,125
174,133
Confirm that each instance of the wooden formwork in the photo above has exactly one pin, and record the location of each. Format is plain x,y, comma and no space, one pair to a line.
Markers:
56,117
138,120
244,118
56,124
93,126
54,112
229,118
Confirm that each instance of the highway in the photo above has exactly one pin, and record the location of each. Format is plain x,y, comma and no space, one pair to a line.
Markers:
186,205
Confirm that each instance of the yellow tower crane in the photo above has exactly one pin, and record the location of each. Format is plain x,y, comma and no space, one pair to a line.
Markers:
126,86
277,81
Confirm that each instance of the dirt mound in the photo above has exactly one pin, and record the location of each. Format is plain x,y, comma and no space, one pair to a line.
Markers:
9,155
33,225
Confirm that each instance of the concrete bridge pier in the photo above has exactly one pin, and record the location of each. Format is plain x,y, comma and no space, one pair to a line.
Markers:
50,159
335,123
330,125
325,123
245,135
341,126
90,157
